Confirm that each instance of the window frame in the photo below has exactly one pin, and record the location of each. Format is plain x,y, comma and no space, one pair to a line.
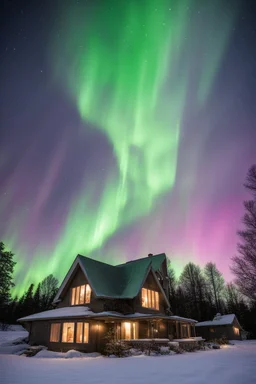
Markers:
133,330
150,297
74,332
58,333
75,295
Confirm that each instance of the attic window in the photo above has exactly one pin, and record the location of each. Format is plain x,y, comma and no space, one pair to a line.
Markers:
149,298
81,295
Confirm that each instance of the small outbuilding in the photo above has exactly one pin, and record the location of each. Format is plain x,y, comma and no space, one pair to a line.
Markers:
221,326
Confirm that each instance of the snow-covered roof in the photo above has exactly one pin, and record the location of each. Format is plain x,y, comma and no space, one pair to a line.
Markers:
81,311
182,319
218,320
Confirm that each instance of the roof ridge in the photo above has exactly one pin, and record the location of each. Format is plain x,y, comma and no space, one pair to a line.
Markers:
141,258
96,261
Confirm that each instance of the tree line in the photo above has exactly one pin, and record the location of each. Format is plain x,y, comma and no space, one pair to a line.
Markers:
201,293
198,293
35,299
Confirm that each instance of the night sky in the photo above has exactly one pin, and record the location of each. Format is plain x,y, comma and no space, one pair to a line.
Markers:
127,128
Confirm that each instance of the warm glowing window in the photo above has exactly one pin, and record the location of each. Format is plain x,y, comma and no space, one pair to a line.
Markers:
149,298
82,332
81,295
211,330
129,330
88,294
55,333
236,330
68,332
86,332
79,332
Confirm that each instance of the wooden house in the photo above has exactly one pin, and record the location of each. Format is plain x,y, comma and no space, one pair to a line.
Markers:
131,298
221,326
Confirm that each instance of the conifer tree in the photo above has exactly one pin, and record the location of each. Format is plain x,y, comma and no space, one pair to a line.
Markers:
6,280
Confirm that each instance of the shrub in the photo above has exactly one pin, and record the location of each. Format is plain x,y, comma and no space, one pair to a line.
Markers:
221,341
164,350
115,347
176,349
190,347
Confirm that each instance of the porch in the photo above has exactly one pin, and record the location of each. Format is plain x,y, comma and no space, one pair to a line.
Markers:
160,330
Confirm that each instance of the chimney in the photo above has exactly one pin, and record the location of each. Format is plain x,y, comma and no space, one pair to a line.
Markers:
150,254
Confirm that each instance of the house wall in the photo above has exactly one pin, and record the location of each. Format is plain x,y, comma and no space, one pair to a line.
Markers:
217,332
78,278
40,335
150,283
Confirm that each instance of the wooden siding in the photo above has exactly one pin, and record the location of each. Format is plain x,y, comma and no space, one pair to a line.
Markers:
78,278
40,335
217,332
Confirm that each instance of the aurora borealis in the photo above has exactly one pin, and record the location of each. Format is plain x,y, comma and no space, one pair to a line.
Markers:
129,127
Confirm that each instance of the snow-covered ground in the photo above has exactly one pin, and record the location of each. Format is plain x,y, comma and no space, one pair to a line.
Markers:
236,365
14,332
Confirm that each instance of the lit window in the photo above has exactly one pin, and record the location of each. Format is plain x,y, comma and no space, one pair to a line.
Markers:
144,297
211,330
81,295
149,298
68,333
88,293
129,330
79,332
86,332
55,333
77,295
236,330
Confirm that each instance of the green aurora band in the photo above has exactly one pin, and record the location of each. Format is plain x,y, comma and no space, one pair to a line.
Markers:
125,65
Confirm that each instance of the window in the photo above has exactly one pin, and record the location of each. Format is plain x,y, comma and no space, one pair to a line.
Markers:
149,298
86,332
81,295
129,330
236,330
55,333
79,332
82,332
68,332
211,330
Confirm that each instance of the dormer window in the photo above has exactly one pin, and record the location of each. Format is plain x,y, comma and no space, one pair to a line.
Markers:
81,295
149,298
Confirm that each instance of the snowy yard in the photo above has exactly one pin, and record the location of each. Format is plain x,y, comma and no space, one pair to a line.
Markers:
236,365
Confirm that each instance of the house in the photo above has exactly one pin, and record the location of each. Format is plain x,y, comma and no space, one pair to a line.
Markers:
221,326
94,297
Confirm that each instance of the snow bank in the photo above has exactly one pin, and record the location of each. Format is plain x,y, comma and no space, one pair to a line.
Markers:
61,355
236,366
13,349
6,336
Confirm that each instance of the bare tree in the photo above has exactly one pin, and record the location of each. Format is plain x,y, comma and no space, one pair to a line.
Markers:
48,290
215,283
244,263
193,285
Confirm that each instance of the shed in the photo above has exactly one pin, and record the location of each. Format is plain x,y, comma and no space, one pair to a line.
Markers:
221,326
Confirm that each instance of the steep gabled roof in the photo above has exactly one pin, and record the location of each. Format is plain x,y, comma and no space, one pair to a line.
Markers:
218,320
122,281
